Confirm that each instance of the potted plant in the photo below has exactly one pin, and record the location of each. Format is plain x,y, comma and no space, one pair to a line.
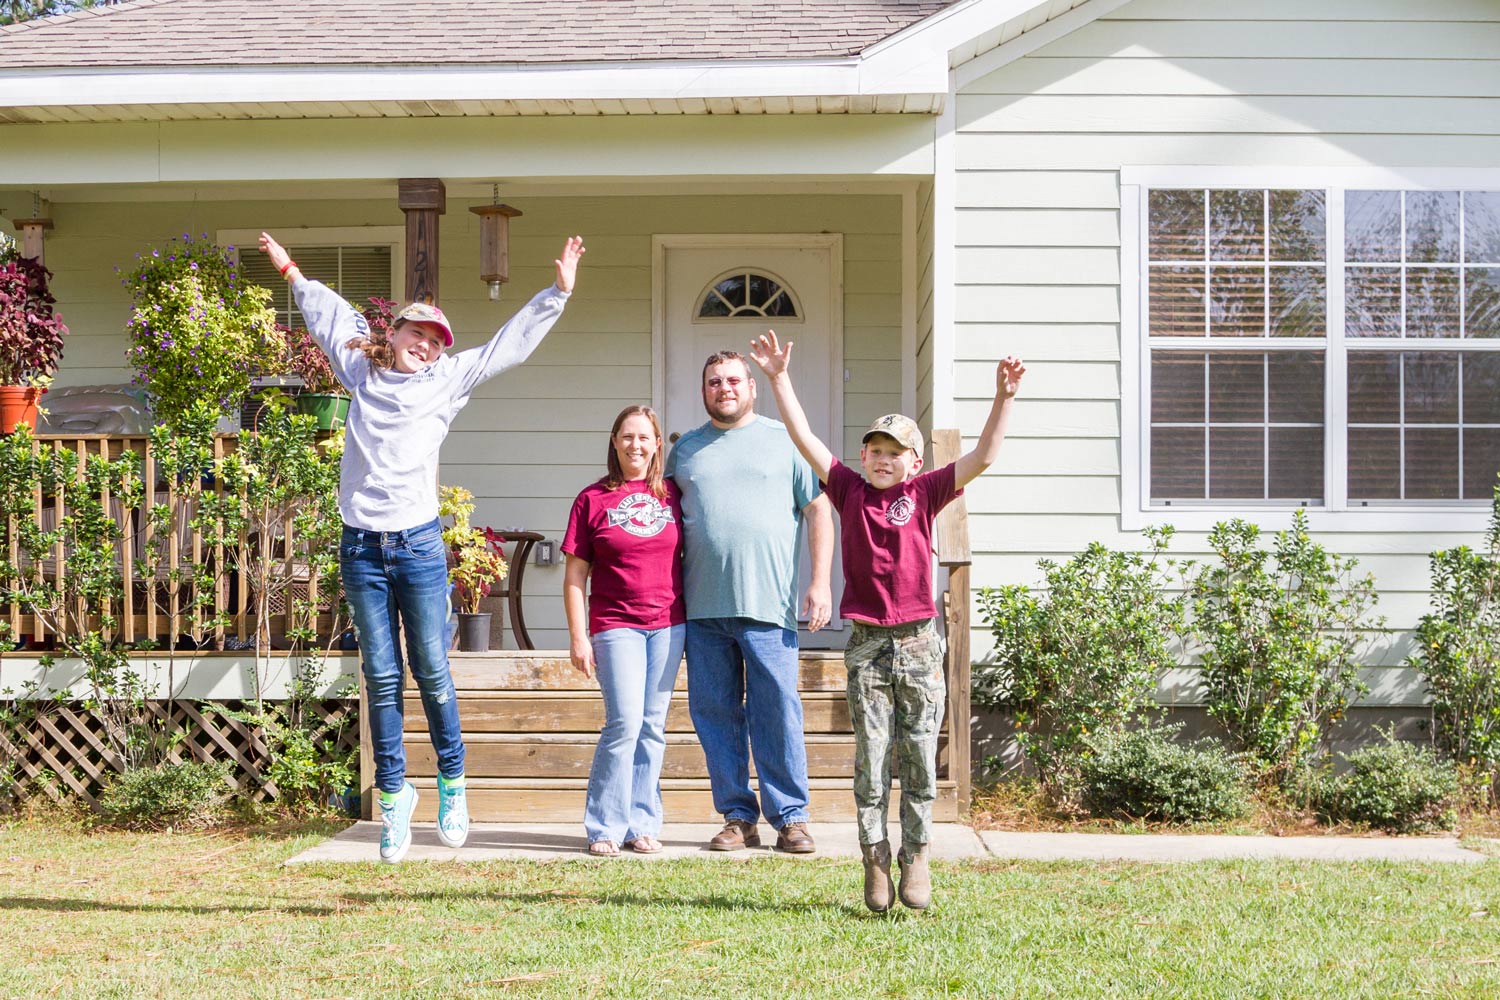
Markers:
31,337
474,569
323,395
198,330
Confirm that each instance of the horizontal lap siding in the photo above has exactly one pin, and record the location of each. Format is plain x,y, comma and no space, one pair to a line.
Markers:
1164,82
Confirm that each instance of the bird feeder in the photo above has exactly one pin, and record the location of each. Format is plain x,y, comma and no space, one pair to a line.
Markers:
494,243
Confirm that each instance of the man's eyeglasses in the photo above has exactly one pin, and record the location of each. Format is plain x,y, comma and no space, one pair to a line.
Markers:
732,381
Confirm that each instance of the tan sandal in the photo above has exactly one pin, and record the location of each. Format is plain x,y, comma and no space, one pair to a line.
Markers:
604,849
644,845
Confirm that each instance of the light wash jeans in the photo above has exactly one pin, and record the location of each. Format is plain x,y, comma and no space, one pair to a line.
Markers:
637,669
391,578
742,695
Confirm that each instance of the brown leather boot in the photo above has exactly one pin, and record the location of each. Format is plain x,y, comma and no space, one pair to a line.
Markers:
878,887
794,839
736,835
916,880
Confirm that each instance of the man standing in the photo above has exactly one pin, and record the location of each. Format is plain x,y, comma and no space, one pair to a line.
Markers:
744,490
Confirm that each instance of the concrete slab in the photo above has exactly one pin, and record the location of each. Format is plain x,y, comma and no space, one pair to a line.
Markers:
565,842
1176,848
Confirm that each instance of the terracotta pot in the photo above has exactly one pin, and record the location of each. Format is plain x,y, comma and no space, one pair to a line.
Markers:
18,405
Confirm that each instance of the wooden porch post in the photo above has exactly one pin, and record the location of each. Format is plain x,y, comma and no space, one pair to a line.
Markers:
954,554
423,199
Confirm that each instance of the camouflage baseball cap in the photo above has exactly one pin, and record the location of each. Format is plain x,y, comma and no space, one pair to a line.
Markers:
903,429
421,312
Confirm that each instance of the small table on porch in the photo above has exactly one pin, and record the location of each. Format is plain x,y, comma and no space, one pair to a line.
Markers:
524,542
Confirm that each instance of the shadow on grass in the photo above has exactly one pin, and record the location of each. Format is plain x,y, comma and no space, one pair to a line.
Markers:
54,904
724,903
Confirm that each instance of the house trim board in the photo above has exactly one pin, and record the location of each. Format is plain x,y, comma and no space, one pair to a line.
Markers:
944,265
987,62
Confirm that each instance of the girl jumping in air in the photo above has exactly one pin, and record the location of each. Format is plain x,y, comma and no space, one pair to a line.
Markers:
406,392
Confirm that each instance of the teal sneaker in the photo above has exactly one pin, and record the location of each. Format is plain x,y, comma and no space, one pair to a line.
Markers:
453,812
395,823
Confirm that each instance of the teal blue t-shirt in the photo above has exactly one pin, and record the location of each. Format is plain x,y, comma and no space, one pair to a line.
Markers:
743,491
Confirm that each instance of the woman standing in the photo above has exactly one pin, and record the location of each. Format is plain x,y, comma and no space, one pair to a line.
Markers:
624,534
406,391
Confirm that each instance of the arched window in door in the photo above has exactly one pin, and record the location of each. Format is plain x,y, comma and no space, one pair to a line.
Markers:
744,292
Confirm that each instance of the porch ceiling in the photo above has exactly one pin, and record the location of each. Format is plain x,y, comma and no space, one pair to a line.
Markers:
860,104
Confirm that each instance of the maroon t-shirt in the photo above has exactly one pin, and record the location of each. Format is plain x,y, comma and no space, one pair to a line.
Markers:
633,542
887,540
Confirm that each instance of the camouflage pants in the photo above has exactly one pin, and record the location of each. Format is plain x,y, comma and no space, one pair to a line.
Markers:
895,695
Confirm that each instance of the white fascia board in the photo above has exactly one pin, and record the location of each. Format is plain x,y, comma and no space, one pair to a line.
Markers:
921,51
593,81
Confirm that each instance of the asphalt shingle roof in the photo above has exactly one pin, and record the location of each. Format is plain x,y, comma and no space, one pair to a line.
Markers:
144,33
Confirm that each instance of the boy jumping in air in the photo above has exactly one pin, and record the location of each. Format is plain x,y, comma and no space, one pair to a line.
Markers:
894,659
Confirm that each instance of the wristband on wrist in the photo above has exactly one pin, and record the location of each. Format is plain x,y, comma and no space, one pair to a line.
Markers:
289,265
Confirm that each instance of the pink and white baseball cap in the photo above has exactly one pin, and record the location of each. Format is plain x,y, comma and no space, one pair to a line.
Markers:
421,312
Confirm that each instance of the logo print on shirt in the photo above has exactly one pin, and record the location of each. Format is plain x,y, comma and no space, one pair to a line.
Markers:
901,511
641,514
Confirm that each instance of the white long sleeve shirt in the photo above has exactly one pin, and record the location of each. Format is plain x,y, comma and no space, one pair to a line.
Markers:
397,421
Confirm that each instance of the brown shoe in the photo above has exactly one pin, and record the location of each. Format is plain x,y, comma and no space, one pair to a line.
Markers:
878,887
794,839
736,835
916,880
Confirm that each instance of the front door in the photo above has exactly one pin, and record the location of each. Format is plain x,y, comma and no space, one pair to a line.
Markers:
720,292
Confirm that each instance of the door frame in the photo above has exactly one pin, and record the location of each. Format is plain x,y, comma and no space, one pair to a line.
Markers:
832,242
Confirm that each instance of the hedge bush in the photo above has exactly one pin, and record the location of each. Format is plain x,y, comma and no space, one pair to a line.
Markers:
168,794
1148,774
1394,786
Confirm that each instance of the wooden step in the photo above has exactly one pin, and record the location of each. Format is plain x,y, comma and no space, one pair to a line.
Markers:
500,711
684,800
565,755
550,670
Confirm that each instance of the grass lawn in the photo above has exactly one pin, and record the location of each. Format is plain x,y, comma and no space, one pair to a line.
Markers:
217,915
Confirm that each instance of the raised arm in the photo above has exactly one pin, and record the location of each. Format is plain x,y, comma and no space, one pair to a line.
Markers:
971,463
776,361
331,320
514,342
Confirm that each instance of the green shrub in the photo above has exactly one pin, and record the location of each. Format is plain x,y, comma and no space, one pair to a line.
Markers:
1458,651
1146,773
1279,632
168,794
1395,786
1083,657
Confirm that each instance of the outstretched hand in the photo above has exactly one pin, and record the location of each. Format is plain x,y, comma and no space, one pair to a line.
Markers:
770,355
279,257
1008,376
567,264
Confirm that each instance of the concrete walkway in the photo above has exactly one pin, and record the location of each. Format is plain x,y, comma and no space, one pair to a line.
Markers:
951,841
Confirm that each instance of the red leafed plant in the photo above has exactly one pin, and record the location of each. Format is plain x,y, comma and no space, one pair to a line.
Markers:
31,334
307,361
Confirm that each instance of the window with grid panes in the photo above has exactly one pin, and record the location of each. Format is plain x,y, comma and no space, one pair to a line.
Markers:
1243,338
355,272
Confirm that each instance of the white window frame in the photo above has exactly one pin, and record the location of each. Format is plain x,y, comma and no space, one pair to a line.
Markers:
1335,514
248,240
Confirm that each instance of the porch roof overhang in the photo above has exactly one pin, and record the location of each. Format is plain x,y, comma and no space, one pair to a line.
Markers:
906,73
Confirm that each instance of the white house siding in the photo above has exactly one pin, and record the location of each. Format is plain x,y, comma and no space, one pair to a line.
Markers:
530,439
1174,82
924,304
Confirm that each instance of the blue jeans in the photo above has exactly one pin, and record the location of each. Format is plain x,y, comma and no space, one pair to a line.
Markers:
637,669
742,695
395,578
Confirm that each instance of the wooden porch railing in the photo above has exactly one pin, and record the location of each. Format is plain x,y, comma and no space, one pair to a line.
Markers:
952,542
162,605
